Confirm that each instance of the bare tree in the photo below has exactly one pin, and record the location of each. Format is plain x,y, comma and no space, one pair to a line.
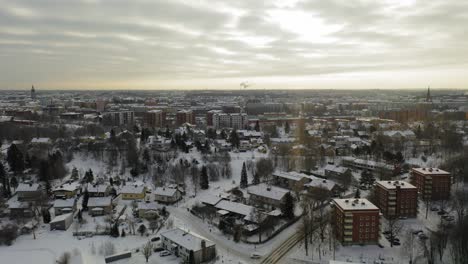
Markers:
393,227
147,250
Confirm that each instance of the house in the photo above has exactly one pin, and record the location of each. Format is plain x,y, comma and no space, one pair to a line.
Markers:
356,221
64,206
210,200
18,209
333,171
239,210
183,244
29,192
132,192
100,206
290,180
397,198
67,190
147,210
167,195
41,141
99,190
61,222
316,182
266,195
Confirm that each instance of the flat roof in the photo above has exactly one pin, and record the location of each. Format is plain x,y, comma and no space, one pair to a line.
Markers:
186,239
430,171
355,204
394,184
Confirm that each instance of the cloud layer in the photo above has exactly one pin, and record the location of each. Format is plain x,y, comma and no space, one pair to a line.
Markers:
157,44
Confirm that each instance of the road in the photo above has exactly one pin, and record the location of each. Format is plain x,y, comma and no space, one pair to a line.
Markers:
279,252
198,228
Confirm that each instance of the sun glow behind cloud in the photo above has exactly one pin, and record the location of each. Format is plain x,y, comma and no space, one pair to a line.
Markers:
204,44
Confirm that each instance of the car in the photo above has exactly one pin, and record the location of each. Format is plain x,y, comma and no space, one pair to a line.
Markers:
154,239
423,236
441,212
386,232
403,217
158,249
434,208
164,253
396,243
255,255
415,232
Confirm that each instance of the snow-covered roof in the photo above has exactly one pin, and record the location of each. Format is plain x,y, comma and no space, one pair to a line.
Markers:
40,140
132,189
292,175
163,191
318,182
99,201
101,188
60,203
264,190
210,199
61,218
234,207
334,168
430,171
70,187
24,187
355,204
390,185
186,240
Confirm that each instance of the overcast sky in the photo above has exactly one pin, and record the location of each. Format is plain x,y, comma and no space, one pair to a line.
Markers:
207,44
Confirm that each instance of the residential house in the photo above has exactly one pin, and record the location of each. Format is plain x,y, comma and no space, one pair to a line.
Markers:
183,244
167,195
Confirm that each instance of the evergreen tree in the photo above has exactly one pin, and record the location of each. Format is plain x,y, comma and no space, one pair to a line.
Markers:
85,200
256,179
287,207
111,181
3,178
142,229
286,128
44,174
234,138
74,174
46,216
114,230
257,126
204,183
14,182
15,159
89,176
243,180
357,195
123,234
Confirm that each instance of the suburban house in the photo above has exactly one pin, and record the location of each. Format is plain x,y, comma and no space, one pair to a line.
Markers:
61,222
316,182
290,180
183,244
64,206
67,190
147,210
266,195
99,190
99,206
18,209
333,171
131,192
29,192
167,195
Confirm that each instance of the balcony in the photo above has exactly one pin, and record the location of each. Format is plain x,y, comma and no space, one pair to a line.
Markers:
348,221
348,233
348,226
348,239
391,198
347,215
391,203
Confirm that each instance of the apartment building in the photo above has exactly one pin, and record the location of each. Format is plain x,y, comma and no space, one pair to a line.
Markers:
155,118
185,116
432,183
397,198
356,221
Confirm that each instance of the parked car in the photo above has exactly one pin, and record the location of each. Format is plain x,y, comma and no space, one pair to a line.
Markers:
164,253
158,249
154,239
255,255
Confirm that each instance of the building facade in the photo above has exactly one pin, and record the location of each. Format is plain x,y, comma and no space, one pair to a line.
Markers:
356,221
397,198
155,118
432,183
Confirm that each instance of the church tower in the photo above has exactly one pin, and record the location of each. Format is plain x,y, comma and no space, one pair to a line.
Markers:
428,96
33,93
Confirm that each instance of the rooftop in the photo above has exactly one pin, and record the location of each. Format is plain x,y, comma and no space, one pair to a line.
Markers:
268,191
394,184
354,204
430,171
186,239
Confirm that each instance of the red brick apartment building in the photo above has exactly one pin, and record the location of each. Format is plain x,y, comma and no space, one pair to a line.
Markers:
397,198
185,116
357,221
432,183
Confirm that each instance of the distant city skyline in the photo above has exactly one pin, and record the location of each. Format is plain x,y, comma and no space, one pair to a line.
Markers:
182,44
